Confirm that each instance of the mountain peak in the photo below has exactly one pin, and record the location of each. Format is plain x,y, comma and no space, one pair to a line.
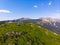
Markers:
24,18
49,19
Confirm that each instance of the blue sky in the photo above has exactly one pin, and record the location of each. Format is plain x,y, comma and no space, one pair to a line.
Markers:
14,9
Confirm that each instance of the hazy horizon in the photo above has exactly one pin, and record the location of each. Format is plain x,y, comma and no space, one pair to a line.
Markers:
15,9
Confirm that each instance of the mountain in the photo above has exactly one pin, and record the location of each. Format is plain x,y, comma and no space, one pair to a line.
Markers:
49,23
20,33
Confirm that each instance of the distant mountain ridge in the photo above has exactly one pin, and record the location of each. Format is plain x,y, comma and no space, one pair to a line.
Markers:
49,23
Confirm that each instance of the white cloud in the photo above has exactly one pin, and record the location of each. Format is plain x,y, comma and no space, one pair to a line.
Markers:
5,11
35,6
49,3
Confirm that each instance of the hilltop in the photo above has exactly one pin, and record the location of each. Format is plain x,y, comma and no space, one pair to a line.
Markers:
13,33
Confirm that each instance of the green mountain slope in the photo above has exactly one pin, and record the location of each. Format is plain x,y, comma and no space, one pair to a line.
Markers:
26,34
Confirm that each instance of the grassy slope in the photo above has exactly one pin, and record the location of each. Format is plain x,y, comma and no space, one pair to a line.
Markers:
26,34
